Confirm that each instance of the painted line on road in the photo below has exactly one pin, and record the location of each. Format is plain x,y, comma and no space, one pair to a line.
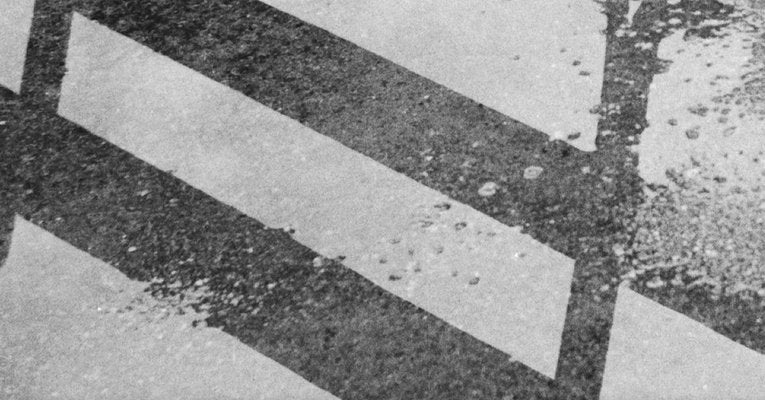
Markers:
538,62
657,353
75,327
488,279
716,126
15,24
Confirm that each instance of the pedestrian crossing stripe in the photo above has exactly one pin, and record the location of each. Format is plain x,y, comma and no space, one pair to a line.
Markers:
15,23
507,55
657,353
75,327
481,276
482,280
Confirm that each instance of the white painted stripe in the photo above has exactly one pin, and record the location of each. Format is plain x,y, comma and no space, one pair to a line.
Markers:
338,201
634,5
711,88
514,56
15,23
657,353
73,325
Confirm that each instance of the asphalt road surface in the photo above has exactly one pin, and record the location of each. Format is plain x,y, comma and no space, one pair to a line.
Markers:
281,199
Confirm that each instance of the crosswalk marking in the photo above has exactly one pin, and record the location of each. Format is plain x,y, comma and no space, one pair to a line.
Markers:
634,5
716,107
74,327
538,62
657,353
488,279
15,22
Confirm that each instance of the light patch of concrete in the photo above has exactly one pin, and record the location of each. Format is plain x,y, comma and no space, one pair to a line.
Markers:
707,109
73,327
706,142
15,23
485,278
634,5
657,353
517,57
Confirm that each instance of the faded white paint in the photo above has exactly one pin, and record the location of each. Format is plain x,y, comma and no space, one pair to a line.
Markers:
657,353
391,229
73,327
514,56
731,136
634,5
15,23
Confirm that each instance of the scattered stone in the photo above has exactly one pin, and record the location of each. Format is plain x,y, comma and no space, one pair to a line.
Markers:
655,283
488,189
699,109
443,206
474,280
394,277
532,172
693,133
574,136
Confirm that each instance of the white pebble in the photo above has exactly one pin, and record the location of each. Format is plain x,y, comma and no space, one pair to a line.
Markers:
532,172
488,189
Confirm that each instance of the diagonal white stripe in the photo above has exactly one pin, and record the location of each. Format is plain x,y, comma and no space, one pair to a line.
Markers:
74,327
15,22
338,201
526,59
657,353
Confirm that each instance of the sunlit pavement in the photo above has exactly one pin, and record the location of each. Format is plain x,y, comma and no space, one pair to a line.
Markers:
398,200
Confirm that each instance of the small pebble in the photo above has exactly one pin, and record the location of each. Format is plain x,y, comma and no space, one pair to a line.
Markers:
488,189
693,133
532,172
655,283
